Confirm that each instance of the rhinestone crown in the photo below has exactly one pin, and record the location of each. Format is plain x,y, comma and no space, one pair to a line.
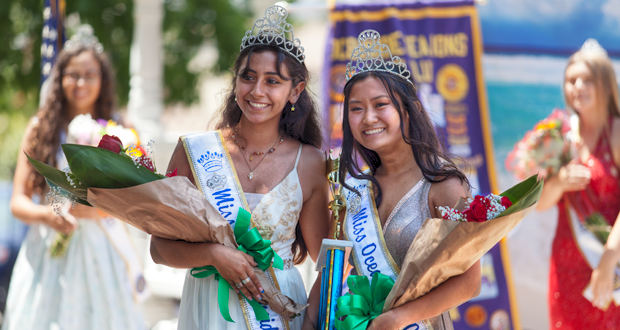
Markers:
272,29
85,36
370,55
592,46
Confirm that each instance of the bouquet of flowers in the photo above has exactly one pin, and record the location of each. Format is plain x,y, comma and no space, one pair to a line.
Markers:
127,187
542,150
84,130
441,249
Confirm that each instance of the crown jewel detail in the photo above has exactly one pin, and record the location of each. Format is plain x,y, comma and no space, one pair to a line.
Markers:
592,46
85,36
370,55
272,29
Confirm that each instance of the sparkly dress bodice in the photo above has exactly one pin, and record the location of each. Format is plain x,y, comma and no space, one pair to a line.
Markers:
569,273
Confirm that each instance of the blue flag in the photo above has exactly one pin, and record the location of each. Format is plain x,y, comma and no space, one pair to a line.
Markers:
53,36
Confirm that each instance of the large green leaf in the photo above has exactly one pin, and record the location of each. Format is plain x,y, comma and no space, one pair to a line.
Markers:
101,168
60,178
523,195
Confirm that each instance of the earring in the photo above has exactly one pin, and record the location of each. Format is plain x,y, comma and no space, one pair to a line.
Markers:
293,107
235,98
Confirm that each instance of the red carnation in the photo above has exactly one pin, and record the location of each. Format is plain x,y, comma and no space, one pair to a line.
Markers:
506,202
477,211
112,143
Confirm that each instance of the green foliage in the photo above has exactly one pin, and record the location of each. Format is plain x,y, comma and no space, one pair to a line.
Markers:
188,24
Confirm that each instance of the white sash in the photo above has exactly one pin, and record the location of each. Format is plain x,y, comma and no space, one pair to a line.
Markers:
362,226
591,249
216,177
118,235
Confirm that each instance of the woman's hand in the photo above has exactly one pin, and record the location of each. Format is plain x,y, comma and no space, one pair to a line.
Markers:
65,223
236,267
602,282
574,177
383,321
84,212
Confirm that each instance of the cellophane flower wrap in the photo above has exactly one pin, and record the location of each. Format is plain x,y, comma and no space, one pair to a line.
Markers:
544,149
85,130
126,186
447,247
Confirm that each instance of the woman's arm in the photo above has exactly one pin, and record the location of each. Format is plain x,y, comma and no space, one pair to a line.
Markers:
22,205
450,293
572,177
603,276
314,219
233,265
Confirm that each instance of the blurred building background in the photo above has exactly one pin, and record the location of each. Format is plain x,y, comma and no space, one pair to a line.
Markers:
172,59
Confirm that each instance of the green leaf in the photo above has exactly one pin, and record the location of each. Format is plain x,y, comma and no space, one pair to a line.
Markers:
65,193
101,168
60,178
523,195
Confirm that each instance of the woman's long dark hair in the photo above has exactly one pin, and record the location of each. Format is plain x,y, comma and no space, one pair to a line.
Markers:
53,116
427,149
303,124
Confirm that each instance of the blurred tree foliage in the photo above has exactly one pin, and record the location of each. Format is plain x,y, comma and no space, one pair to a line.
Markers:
187,25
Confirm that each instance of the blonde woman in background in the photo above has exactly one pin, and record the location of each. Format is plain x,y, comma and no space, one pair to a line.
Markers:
589,184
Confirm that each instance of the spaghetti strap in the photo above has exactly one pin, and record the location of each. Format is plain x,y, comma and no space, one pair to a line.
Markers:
298,154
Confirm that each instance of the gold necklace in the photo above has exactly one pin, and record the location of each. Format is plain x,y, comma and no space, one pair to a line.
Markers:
254,153
271,150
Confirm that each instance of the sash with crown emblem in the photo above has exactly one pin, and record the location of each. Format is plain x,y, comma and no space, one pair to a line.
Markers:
216,177
362,226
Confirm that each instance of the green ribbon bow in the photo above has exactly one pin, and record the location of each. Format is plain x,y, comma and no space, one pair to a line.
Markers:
366,302
250,242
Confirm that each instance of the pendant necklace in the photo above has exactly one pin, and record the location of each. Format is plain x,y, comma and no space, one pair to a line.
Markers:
271,150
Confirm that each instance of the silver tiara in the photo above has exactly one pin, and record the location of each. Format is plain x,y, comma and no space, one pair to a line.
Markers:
369,56
592,46
271,30
85,36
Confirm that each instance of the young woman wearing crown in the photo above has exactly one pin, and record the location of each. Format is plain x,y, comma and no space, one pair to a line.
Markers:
264,158
386,126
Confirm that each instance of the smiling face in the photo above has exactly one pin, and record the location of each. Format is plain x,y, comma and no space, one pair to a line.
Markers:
580,89
81,83
261,93
373,118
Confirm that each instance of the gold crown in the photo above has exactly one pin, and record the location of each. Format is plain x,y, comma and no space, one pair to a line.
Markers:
369,56
272,29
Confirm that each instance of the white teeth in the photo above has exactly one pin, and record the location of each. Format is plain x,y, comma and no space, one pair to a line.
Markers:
374,131
258,105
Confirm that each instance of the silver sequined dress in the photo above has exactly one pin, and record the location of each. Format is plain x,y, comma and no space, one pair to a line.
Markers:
402,226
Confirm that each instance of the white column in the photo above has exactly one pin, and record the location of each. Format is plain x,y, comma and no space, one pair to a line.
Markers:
145,104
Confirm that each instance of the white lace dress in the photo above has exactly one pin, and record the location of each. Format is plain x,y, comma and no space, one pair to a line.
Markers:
86,288
276,215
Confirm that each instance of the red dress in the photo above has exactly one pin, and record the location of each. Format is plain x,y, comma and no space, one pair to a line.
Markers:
569,272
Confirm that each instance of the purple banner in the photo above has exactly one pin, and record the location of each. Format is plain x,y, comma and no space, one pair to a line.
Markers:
441,44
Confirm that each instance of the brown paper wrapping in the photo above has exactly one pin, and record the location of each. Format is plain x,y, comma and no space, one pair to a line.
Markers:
174,209
443,249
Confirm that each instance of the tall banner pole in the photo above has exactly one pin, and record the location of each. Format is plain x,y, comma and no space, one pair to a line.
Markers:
441,43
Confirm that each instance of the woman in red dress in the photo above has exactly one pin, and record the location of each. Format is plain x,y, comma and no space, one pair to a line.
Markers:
590,183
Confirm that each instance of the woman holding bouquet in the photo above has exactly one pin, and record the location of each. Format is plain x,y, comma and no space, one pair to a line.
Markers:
87,285
587,185
265,158
409,176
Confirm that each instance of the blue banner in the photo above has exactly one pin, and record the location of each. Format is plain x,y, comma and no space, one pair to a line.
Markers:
441,44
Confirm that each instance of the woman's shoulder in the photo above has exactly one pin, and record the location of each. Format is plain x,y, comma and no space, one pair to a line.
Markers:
447,192
312,158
